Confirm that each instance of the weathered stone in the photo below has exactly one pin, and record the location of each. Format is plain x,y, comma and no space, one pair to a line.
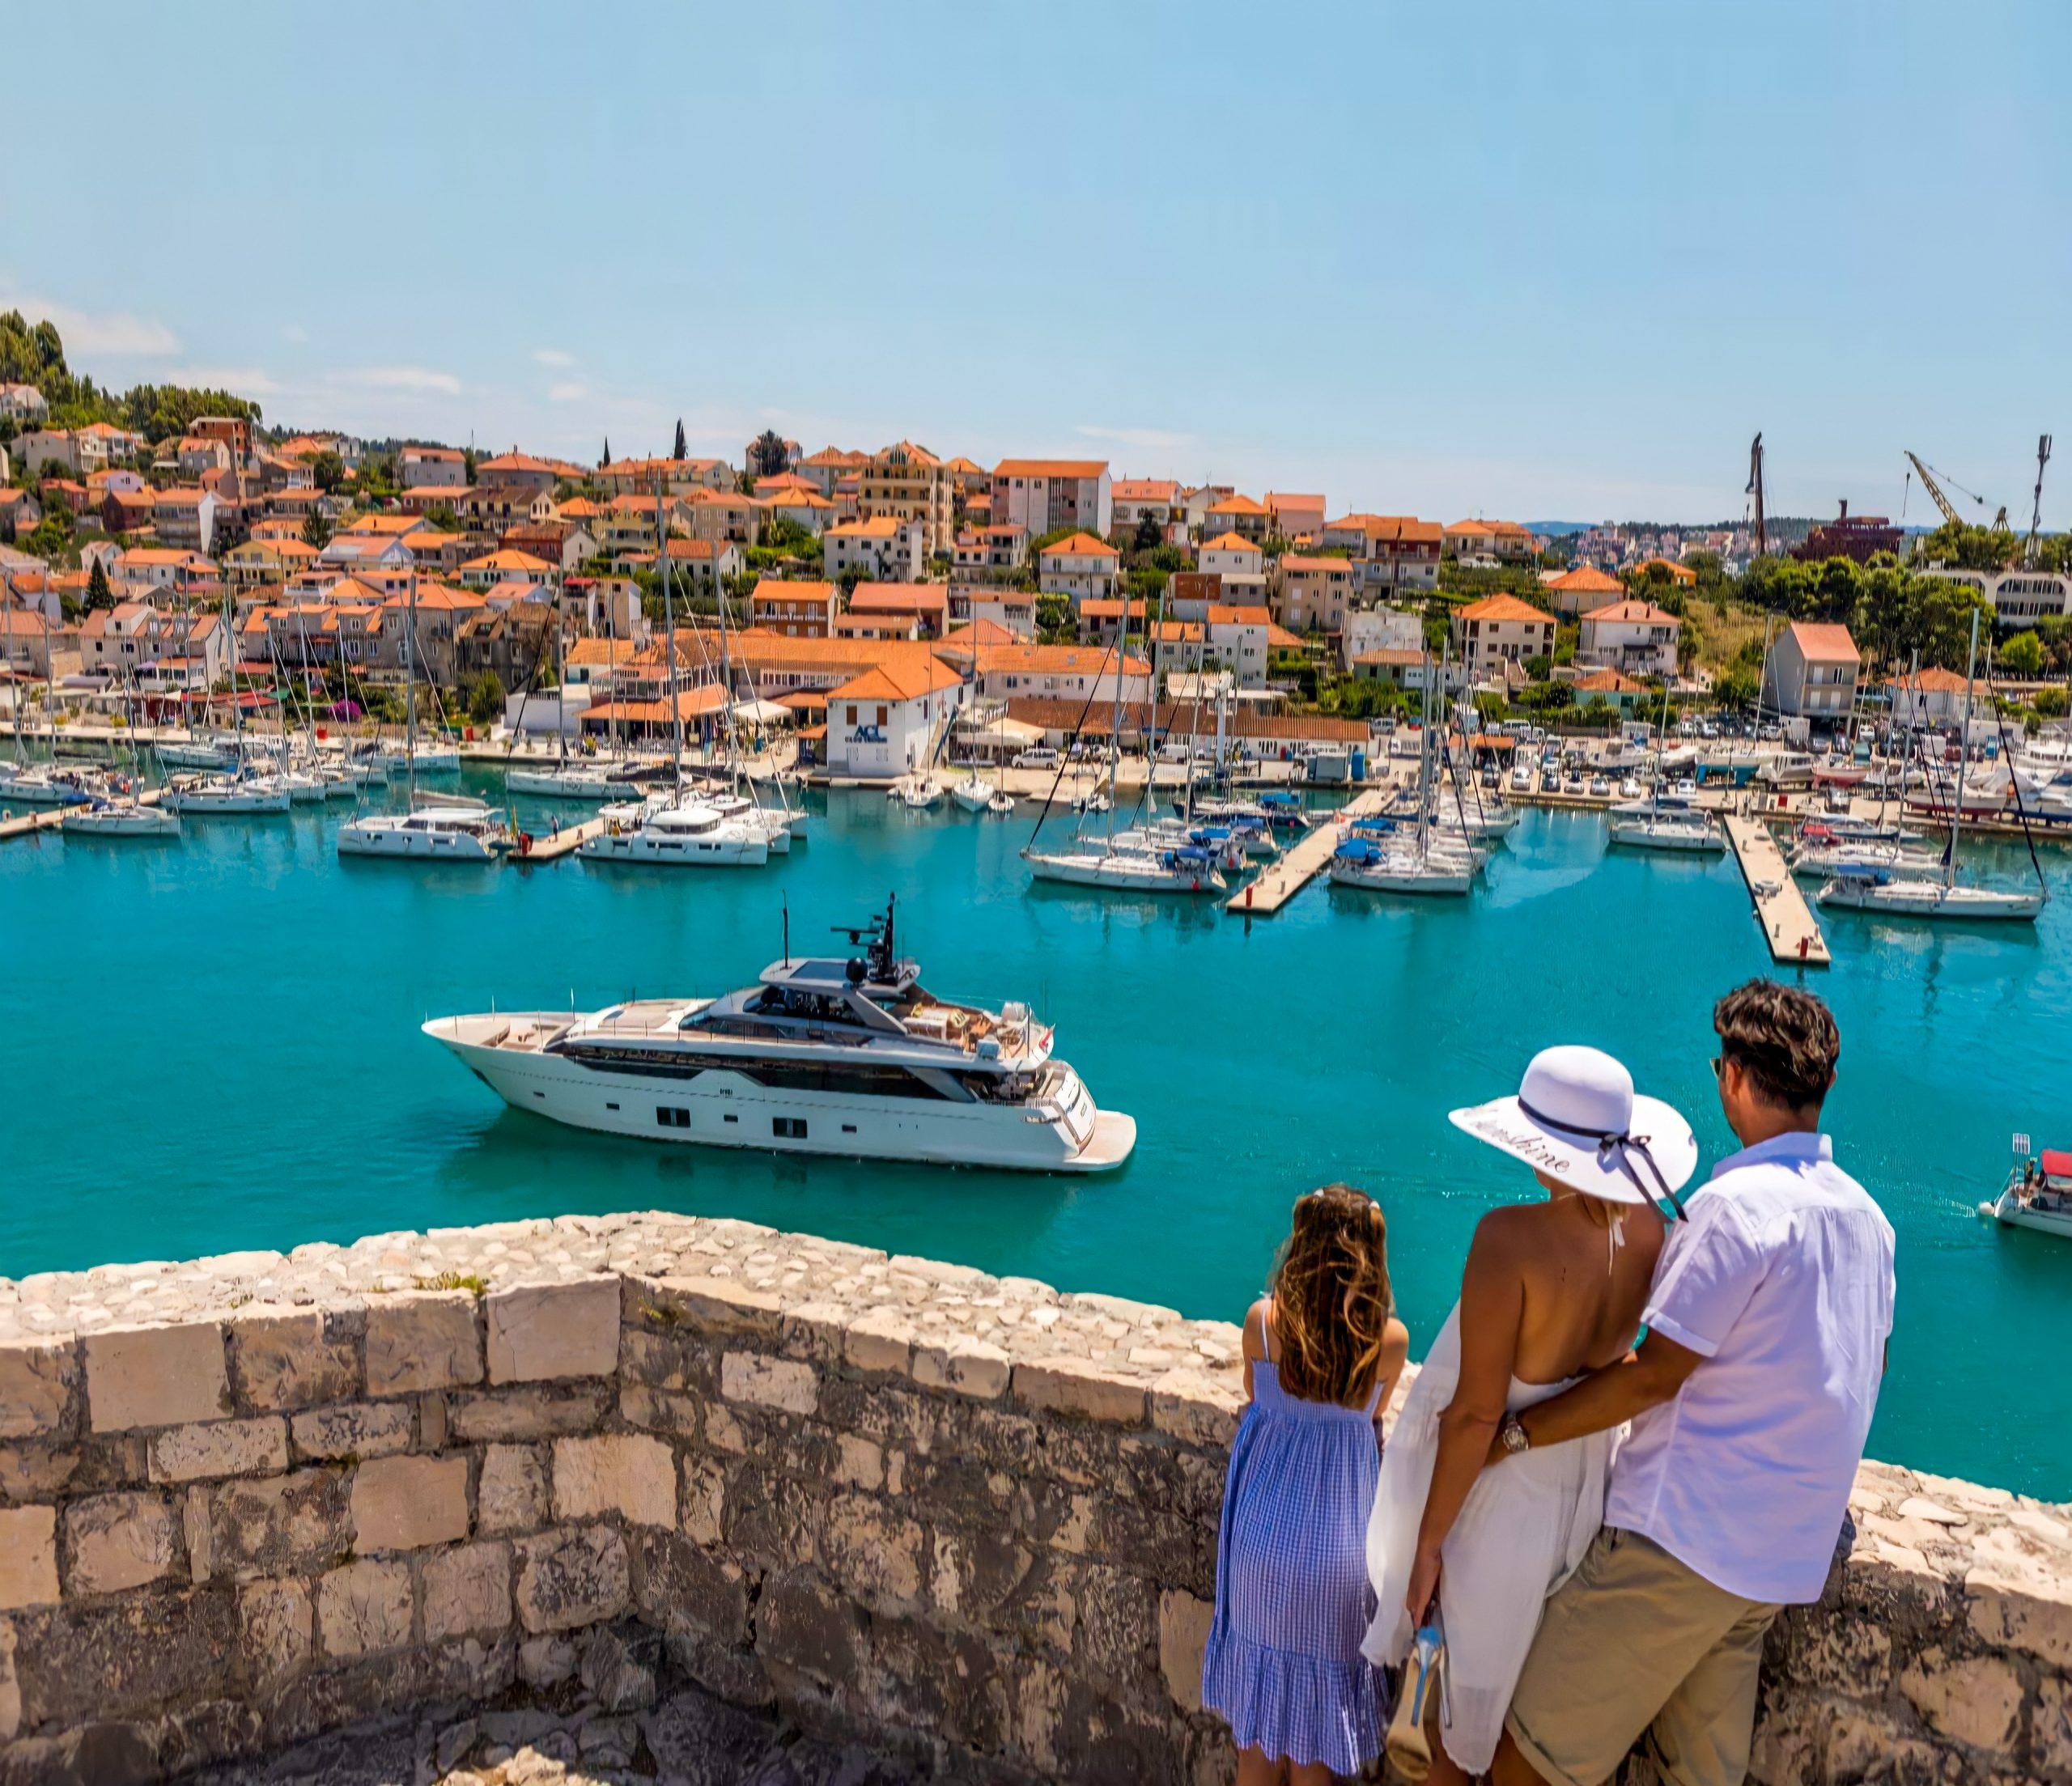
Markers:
2020,1595
452,1743
156,1377
117,1541
38,1469
546,1412
973,1575
28,1557
2050,1737
431,1421
678,1586
541,1330
10,1687
1198,1407
423,1339
1070,1386
39,1381
129,1656
223,1448
943,1681
881,1341
571,1577
781,1383
279,1525
615,1674
702,1505
1977,1700
200,1541
711,1305
466,1591
804,1623
512,1494
975,1368
276,1625
405,1504
858,1463
280,1362
360,1429
364,1608
545,1661
627,1474
1183,1623
872,1551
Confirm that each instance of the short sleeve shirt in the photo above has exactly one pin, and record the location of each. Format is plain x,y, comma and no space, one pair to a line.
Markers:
1782,1281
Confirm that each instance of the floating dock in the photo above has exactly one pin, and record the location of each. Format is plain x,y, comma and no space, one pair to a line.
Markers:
552,846
1788,925
1295,868
43,818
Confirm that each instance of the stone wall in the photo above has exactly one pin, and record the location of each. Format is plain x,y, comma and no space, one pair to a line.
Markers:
969,1521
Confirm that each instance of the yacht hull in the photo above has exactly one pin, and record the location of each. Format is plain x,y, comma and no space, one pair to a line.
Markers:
1675,840
722,1109
545,784
2010,1211
1120,876
382,837
123,821
639,848
204,803
1931,899
1436,878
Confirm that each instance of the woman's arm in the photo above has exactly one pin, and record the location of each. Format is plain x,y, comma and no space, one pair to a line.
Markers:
1254,1347
1395,1353
1492,1306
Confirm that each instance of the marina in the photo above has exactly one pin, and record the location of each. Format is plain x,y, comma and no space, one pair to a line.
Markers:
296,1098
1788,924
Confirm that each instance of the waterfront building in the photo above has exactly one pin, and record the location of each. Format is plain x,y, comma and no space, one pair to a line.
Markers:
796,608
1932,699
1612,687
886,550
885,722
895,610
1045,494
1012,611
1379,628
1633,636
1079,566
1080,672
1811,672
1500,629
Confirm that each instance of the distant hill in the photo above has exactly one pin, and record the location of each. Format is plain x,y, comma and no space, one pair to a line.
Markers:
1559,530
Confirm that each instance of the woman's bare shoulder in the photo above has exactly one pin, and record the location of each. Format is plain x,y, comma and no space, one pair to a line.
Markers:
1255,1324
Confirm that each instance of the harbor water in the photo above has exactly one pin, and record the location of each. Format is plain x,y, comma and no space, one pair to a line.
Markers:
212,1044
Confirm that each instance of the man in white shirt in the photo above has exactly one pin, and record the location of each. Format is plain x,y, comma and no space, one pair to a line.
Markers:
1751,1399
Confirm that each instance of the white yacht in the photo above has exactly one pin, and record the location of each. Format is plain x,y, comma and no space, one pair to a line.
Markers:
1103,862
1692,832
678,832
445,828
1814,861
568,781
48,785
975,793
124,816
918,793
197,754
1921,896
232,796
1399,864
2038,1194
849,1059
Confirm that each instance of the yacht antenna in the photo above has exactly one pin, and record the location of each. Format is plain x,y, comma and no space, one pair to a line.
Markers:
669,627
410,690
1964,758
787,899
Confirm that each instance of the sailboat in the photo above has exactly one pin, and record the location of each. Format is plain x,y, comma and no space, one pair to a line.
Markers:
1901,893
452,828
564,780
669,830
120,812
1375,861
1144,862
246,789
1686,829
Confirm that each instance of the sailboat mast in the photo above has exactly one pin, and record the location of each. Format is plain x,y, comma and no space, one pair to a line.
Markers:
1425,762
670,630
410,689
1115,742
1963,757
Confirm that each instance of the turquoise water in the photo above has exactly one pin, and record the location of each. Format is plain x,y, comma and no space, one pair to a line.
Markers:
213,1045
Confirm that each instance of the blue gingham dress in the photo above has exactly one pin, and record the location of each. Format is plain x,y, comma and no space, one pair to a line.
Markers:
1292,1599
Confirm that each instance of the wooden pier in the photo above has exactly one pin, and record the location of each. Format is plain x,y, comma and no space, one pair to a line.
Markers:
41,818
1788,925
1295,868
551,847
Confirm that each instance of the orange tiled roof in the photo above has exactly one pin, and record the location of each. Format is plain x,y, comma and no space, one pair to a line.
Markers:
1049,468
1506,607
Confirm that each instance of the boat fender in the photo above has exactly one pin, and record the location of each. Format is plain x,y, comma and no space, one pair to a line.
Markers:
525,843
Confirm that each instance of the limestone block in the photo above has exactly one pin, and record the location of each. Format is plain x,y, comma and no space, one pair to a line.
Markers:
545,1661
881,1341
404,1504
541,1413
803,1623
711,1305
541,1330
28,1557
194,1522
2019,1594
364,1608
280,1362
872,1551
37,1469
627,1473
37,1379
276,1625
359,1429
10,1687
1977,1701
466,1590
702,1506
117,1541
570,1576
512,1494
975,1368
785,1384
222,1448
2050,1739
156,1377
1200,1408
1183,1623
278,1525
423,1339
860,1463
1071,1385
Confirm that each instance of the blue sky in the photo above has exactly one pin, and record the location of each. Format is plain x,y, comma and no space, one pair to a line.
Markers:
1529,260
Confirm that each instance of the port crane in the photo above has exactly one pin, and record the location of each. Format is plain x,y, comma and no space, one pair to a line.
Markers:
2035,514
1950,512
1755,490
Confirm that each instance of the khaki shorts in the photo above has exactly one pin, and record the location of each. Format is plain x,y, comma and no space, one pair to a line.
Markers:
1635,1641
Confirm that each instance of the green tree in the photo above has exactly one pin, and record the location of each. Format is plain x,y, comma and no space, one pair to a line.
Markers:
2051,703
98,595
441,515
485,699
1149,537
766,456
682,451
1962,546
1735,689
1054,618
2022,656
316,530
469,459
329,470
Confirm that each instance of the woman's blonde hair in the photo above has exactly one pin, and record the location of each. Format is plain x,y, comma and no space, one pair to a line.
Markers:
1331,1296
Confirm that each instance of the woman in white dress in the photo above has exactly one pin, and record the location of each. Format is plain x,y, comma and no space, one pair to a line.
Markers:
1551,1290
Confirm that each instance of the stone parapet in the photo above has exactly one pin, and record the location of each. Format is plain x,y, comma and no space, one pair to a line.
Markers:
967,1520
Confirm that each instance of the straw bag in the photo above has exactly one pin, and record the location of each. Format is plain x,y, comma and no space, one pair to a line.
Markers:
1421,1704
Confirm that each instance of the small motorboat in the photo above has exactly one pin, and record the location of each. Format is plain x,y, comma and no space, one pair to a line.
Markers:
2038,1194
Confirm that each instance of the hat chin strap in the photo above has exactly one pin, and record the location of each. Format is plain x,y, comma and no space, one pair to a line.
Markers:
1615,1147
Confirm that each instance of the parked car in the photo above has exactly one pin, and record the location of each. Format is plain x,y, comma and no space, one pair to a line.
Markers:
1037,756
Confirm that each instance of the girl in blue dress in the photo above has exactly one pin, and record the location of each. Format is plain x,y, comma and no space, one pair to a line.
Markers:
1323,1353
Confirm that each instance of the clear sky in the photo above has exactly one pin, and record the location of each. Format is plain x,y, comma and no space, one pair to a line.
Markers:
1528,260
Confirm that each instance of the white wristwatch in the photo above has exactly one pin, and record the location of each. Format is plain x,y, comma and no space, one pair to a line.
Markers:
1513,1435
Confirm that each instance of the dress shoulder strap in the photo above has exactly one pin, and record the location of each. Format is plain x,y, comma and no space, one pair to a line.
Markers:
1265,1307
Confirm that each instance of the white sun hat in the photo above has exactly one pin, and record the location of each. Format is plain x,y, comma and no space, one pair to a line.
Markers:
1576,1119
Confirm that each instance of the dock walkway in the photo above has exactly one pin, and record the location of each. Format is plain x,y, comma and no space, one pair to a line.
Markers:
1788,925
551,847
1293,869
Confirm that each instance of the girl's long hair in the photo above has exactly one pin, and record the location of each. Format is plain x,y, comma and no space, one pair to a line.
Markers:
1330,1297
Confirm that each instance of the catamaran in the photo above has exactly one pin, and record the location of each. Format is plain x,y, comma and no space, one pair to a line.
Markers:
835,1057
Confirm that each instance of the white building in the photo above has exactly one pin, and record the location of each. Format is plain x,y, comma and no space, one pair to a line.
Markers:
2018,596
430,468
1045,494
1636,637
1057,672
1080,566
1379,628
1933,698
1812,670
1500,629
885,723
23,405
884,548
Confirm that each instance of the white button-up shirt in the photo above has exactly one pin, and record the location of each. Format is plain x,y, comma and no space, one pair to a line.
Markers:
1782,1281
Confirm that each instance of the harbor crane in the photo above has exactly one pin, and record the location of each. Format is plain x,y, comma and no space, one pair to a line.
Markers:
2035,514
1950,512
1755,490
